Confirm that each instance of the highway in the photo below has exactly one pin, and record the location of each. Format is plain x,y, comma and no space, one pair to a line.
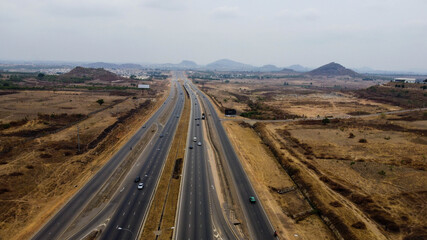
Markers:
194,218
256,219
127,219
199,212
57,225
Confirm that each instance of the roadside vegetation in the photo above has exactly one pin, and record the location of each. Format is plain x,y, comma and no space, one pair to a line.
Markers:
161,216
52,142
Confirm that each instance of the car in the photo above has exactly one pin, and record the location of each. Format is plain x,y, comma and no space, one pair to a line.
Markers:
190,147
198,124
144,126
140,186
137,179
199,144
161,135
252,199
194,139
177,116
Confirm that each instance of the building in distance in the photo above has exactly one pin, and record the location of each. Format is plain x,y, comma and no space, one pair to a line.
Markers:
144,86
404,80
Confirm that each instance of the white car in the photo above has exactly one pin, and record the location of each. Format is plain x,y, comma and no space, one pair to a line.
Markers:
199,144
140,186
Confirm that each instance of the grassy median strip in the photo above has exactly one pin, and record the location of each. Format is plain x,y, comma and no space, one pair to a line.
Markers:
161,217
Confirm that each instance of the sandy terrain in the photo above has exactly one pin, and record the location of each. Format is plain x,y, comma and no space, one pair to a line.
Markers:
46,169
277,101
364,178
266,174
380,183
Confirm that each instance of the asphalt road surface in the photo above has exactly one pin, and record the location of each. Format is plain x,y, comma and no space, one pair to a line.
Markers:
255,216
62,219
200,215
194,215
132,210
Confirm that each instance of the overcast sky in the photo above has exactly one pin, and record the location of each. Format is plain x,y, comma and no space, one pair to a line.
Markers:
382,34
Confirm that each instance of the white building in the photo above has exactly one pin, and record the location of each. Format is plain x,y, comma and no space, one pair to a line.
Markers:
144,86
404,80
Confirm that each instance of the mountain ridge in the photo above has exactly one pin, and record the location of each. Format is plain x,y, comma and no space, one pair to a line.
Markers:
332,69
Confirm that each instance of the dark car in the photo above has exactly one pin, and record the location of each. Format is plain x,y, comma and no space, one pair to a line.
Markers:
190,147
252,199
137,179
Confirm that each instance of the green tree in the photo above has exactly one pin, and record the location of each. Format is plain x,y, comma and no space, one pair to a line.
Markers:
40,75
100,101
326,121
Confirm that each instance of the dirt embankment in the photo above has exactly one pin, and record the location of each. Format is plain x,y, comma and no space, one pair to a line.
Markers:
288,210
321,198
411,96
39,174
371,189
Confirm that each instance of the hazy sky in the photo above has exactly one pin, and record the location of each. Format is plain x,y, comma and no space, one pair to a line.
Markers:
382,34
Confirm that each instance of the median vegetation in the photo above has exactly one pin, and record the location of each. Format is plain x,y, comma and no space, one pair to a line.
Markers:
161,217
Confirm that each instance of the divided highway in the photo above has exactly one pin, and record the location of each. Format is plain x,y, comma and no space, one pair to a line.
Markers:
63,218
194,216
127,220
255,216
199,212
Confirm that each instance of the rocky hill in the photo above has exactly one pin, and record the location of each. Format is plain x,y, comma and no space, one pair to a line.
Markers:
229,65
333,69
91,74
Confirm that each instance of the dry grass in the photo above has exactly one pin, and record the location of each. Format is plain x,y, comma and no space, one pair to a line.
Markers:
380,183
278,102
267,177
44,172
169,183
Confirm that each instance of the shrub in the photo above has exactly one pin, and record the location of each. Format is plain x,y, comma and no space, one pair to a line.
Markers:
363,140
382,173
351,135
326,121
100,101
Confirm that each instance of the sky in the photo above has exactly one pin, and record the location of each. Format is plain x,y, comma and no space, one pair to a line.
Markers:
380,34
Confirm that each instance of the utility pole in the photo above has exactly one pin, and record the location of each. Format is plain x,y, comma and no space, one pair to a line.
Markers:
78,138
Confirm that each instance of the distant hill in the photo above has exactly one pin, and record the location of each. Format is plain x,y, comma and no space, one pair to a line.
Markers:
91,74
187,64
287,70
269,68
299,68
332,69
112,65
229,65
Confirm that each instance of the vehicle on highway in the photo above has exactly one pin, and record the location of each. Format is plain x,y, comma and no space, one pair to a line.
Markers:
140,186
199,144
177,116
161,135
198,124
252,199
190,147
137,179
194,139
